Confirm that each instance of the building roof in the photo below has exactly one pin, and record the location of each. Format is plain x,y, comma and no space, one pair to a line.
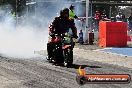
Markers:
109,0
112,2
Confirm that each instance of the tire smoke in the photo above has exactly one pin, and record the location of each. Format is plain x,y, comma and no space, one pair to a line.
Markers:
21,36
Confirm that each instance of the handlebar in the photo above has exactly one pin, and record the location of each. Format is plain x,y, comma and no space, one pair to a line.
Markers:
62,35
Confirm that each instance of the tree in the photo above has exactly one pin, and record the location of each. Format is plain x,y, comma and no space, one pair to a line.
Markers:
20,5
17,5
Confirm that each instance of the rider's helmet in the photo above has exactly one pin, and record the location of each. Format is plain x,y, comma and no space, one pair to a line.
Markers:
64,12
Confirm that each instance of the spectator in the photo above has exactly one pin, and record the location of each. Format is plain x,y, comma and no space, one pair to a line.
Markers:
103,15
119,17
123,17
97,18
130,22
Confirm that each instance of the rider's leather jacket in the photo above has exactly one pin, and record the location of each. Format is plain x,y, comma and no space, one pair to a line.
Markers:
61,25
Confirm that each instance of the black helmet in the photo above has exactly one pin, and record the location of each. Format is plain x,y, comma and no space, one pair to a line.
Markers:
64,11
72,7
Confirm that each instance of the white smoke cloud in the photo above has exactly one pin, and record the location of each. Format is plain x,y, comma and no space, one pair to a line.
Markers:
21,40
31,32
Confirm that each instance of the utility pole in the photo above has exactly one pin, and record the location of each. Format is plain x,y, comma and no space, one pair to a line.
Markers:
91,19
16,13
86,28
110,12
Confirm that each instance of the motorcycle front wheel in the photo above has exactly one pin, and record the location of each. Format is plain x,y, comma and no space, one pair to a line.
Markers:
68,57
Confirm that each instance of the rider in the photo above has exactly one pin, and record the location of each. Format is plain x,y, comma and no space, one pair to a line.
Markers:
59,26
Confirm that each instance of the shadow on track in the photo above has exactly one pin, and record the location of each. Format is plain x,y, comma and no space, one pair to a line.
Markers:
76,66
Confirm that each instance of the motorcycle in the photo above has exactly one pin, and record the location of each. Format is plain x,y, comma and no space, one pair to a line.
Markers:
62,50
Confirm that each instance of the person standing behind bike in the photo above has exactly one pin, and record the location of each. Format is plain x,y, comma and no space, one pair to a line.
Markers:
72,16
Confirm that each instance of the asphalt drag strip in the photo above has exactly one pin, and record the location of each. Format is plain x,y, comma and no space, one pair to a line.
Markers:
38,73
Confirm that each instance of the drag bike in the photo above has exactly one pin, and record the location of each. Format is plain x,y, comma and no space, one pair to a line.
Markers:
62,49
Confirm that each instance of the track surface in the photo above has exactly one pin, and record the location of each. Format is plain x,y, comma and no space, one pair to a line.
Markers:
38,73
